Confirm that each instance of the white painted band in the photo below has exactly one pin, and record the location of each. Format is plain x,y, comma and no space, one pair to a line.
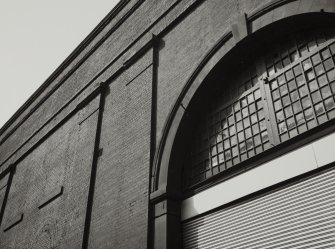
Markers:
294,163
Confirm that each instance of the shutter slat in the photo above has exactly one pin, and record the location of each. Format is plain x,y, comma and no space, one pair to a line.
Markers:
236,221
289,193
301,215
246,232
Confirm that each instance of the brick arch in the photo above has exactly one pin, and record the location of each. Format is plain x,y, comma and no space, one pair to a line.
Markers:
262,19
165,197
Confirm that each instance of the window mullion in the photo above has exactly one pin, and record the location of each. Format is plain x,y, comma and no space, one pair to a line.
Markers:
267,103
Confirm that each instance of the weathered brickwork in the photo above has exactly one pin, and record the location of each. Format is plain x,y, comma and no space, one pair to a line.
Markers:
68,145
184,50
121,195
63,160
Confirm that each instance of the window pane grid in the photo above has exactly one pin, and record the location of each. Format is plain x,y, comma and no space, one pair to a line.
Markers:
302,96
235,133
290,51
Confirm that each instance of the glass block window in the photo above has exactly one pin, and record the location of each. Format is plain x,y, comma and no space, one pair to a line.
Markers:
295,94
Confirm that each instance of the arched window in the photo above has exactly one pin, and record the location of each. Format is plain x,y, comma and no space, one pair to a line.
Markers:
269,98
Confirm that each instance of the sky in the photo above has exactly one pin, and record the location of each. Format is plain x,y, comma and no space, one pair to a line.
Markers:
36,36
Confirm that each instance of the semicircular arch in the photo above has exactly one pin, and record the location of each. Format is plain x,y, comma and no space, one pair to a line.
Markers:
270,20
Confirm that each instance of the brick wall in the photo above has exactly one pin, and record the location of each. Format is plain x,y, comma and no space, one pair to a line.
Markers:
120,210
64,160
120,205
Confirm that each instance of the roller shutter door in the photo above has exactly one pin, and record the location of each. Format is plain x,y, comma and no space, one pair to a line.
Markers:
301,215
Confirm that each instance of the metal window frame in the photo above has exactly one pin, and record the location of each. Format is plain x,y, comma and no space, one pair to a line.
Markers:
270,118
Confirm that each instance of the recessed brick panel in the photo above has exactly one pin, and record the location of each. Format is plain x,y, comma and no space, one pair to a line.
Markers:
120,207
63,159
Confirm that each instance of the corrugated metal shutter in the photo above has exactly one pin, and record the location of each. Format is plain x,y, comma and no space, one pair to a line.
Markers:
301,215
